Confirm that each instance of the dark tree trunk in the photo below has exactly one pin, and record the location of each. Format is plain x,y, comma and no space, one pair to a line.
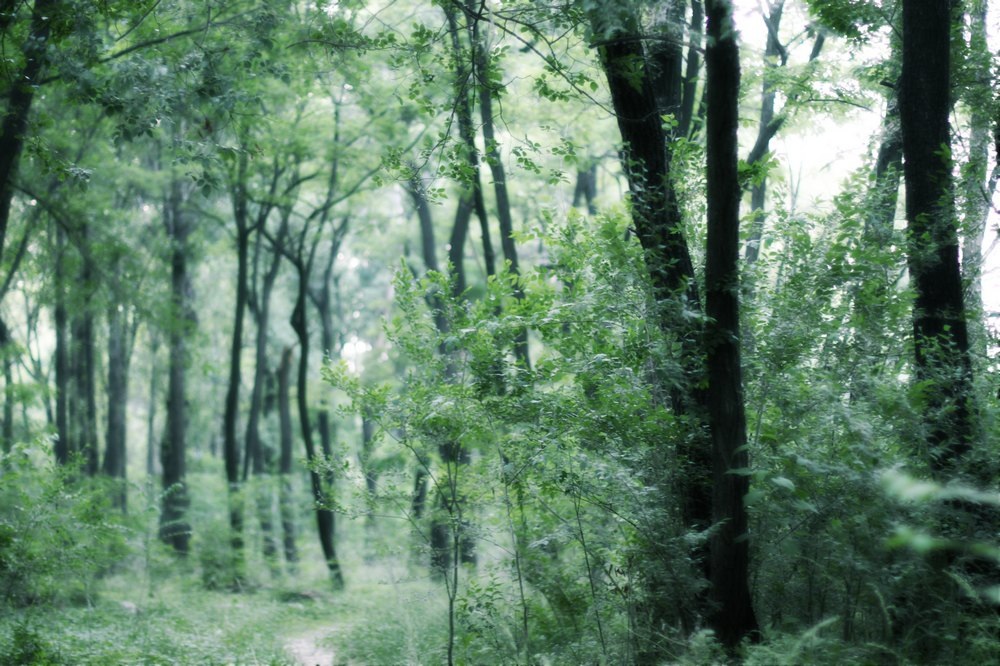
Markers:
9,399
733,617
21,96
286,504
371,477
585,190
493,159
939,325
685,121
63,445
467,135
154,383
456,249
646,160
230,445
174,529
83,396
324,516
758,193
262,456
115,449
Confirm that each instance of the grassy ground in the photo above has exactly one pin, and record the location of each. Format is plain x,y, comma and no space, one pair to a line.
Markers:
148,607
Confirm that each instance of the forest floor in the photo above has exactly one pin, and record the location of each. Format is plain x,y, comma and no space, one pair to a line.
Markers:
307,649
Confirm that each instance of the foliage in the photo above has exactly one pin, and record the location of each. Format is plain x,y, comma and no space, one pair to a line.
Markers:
58,534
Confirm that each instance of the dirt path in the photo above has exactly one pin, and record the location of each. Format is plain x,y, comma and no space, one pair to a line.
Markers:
307,651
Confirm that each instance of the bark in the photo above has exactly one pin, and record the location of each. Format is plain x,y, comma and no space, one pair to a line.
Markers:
685,120
230,445
117,389
83,394
467,137
324,516
978,187
585,190
174,530
646,160
733,618
772,51
286,504
21,95
940,332
507,244
63,446
371,478
456,244
9,399
262,456
154,383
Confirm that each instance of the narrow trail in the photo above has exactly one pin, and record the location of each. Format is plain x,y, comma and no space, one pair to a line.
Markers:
306,649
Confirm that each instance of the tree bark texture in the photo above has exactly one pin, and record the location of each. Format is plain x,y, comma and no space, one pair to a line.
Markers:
286,504
117,391
174,529
20,98
940,332
230,445
646,159
324,516
63,446
733,617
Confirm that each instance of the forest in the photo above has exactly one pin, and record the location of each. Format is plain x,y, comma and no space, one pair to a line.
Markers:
499,332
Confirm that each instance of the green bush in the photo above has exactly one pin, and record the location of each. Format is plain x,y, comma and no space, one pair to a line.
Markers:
58,532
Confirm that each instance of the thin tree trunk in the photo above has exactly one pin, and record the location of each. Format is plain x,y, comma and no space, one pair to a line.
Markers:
115,451
230,447
978,186
467,135
585,190
174,529
493,159
63,445
733,618
324,515
6,350
286,504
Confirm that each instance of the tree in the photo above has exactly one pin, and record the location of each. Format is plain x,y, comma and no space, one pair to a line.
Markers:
733,617
940,331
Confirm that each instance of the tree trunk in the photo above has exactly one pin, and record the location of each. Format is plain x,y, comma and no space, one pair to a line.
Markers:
115,450
467,136
585,190
286,504
63,445
83,396
646,160
262,456
324,516
154,383
7,351
733,617
21,96
230,446
978,187
174,530
940,332
493,159
758,192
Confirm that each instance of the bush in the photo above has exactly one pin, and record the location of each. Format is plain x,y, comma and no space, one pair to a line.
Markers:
58,532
